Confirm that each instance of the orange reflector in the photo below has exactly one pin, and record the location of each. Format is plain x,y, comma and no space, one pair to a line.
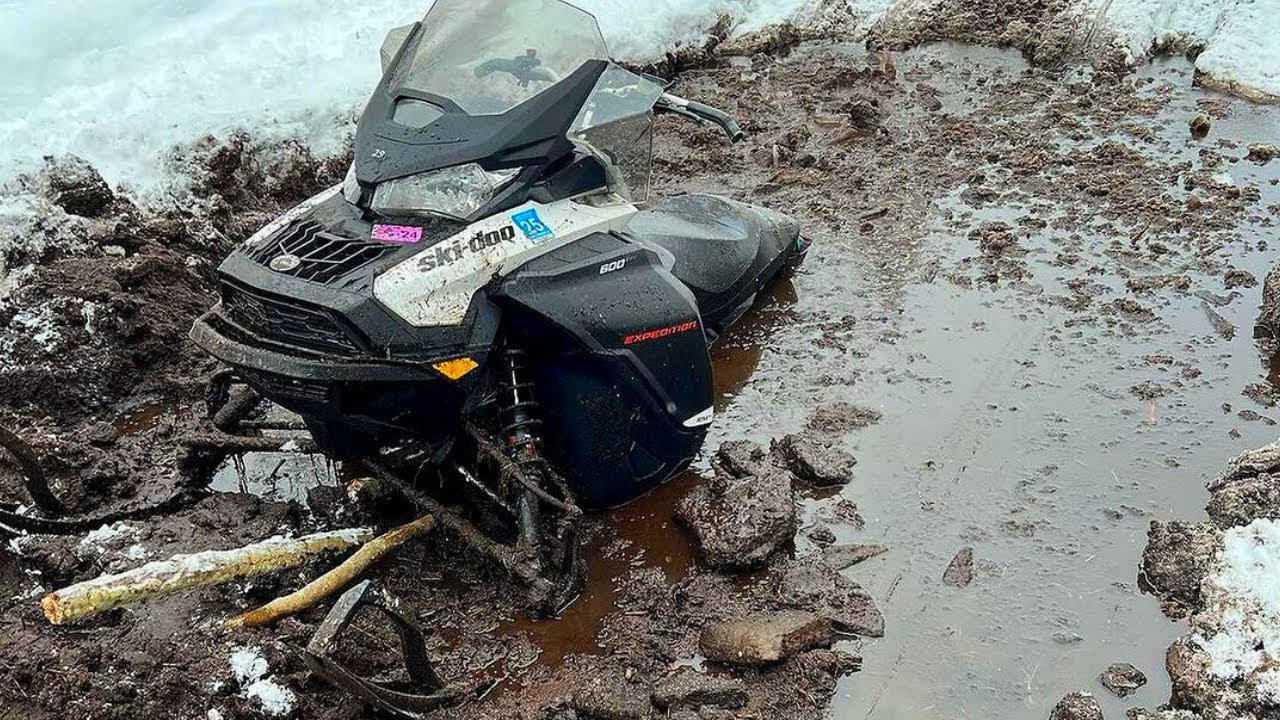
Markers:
456,369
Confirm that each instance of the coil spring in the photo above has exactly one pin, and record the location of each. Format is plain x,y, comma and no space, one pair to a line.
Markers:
520,415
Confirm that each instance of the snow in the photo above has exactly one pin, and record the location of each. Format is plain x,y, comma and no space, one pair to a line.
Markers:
107,79
1239,629
1245,47
106,533
1241,37
251,670
120,82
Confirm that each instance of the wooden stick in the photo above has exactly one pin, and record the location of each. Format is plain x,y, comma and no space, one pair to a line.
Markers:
334,580
188,572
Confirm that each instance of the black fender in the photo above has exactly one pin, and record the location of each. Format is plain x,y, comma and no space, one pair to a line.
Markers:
622,364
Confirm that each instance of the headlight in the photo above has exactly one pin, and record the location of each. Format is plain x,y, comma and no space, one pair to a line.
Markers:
456,192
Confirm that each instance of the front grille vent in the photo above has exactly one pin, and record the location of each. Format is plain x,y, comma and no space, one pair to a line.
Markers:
279,321
322,256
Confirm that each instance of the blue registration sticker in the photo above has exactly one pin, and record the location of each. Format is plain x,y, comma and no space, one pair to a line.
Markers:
532,226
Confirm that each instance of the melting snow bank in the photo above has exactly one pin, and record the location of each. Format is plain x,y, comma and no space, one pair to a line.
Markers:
128,79
1243,54
1237,41
1239,628
1225,574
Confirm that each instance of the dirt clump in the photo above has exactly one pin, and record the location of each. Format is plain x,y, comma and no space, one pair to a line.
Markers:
1122,679
840,418
1242,501
76,186
1263,153
688,689
815,460
840,557
1268,324
740,522
1177,558
811,585
1077,706
959,572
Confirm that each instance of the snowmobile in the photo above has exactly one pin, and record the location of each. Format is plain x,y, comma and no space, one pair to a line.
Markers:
489,303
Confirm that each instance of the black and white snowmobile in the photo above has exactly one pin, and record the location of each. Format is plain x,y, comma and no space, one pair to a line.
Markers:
490,294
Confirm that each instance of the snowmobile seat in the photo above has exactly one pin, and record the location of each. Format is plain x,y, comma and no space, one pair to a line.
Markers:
724,251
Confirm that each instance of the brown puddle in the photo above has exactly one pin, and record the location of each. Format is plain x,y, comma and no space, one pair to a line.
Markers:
654,541
140,419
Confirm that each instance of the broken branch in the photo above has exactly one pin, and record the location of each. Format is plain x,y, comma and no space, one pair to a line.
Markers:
188,572
334,580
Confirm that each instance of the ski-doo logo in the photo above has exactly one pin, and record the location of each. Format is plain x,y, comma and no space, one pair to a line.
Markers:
660,333
448,253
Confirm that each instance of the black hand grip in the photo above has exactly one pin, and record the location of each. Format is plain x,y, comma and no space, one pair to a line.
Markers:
718,117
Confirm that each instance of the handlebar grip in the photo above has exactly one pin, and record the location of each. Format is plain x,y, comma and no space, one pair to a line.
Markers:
719,117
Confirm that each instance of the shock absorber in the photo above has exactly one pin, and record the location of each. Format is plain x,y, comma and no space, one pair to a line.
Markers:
520,426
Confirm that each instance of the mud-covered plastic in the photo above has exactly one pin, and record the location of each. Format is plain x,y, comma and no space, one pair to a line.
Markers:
722,250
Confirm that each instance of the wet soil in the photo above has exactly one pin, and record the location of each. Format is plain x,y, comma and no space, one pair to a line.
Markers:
1011,266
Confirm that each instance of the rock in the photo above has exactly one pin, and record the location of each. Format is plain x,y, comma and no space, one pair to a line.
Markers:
1236,278
1123,679
814,460
1263,152
1269,320
1243,501
738,523
839,557
960,572
75,186
691,689
1265,459
1077,706
813,586
612,697
764,639
1177,558
1200,125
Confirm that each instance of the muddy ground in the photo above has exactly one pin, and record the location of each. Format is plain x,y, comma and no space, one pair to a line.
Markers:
1038,277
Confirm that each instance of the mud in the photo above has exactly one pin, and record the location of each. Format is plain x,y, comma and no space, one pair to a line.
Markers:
1002,252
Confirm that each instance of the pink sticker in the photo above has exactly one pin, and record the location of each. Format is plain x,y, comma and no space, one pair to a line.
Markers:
397,234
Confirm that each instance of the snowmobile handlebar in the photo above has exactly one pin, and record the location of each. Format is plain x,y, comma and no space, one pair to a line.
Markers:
701,113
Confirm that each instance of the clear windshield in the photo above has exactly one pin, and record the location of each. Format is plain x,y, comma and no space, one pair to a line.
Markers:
488,56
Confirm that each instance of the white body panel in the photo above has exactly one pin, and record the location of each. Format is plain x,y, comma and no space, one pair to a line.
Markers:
435,287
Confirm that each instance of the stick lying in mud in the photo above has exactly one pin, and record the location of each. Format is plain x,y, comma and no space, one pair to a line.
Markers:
188,572
334,580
